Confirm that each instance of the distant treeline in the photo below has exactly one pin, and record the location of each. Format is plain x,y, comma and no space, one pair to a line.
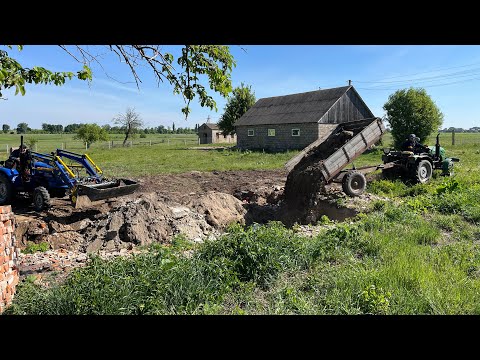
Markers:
474,129
23,128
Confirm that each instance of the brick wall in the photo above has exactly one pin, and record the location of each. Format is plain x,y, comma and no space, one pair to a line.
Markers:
283,139
8,257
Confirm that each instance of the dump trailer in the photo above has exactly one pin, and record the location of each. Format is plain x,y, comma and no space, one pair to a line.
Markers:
57,174
340,148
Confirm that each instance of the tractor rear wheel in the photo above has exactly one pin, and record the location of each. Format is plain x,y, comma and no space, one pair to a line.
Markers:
354,183
41,198
6,190
424,171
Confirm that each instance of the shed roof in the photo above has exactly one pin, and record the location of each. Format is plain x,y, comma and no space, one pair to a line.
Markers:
211,126
307,107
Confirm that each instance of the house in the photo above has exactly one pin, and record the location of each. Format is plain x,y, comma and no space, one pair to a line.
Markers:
294,121
209,133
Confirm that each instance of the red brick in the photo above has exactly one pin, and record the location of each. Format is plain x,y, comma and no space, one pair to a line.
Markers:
5,209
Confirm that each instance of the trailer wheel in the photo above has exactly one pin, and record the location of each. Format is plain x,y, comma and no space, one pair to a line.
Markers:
354,183
424,171
6,190
41,198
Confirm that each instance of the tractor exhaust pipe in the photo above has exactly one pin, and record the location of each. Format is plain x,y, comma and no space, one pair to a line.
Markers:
437,147
21,142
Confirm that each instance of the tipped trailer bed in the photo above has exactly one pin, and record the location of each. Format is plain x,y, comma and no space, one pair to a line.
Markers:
340,148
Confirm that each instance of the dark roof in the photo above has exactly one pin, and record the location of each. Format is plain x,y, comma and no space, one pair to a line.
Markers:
211,126
307,107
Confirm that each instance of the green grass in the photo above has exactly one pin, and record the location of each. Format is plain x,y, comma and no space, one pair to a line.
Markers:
167,154
33,247
415,252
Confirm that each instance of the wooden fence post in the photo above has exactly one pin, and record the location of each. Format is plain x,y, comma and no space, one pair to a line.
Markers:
453,137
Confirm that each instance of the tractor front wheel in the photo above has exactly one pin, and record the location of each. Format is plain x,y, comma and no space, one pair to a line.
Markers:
41,198
424,171
354,183
6,190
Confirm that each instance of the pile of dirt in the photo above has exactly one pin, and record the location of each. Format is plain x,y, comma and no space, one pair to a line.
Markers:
220,209
132,221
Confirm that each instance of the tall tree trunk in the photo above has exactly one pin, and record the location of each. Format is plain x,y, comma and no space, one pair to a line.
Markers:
126,137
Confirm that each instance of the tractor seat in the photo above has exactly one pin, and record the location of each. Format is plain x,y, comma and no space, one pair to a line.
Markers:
407,152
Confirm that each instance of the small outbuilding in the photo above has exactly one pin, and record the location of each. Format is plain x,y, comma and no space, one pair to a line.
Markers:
209,133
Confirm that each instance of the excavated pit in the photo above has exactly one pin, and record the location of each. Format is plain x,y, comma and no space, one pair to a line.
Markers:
161,211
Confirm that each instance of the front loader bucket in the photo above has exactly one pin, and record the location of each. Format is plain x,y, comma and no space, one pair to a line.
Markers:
107,190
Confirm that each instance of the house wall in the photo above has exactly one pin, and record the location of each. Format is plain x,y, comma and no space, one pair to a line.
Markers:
209,136
283,139
218,137
348,108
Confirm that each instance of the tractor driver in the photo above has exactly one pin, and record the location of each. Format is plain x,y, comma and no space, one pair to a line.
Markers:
20,159
413,144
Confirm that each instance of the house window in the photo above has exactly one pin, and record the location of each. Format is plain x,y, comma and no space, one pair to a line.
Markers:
271,132
295,132
251,132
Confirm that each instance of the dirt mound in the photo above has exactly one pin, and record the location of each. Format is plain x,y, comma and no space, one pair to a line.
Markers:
220,209
129,221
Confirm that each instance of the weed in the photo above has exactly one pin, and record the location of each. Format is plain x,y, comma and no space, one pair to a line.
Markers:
373,300
34,247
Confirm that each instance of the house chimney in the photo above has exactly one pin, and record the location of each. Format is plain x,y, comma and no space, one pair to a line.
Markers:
349,82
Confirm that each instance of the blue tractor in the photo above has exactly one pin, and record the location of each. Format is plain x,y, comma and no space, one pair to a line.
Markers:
44,176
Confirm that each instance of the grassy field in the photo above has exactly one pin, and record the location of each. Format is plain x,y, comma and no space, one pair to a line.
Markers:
166,154
160,153
415,251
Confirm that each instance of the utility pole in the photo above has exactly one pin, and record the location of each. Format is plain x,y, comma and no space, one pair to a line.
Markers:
208,119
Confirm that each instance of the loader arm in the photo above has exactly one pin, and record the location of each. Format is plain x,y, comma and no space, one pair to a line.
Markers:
83,159
59,168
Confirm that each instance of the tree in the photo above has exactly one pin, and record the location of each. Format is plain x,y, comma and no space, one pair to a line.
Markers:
5,128
22,128
71,128
412,111
130,122
91,133
173,128
195,61
241,99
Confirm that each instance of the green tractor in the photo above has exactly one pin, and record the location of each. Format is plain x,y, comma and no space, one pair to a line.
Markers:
417,166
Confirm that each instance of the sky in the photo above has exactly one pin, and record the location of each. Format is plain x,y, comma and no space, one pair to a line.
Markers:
449,73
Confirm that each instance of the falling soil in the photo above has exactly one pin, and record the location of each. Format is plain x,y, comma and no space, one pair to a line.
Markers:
306,181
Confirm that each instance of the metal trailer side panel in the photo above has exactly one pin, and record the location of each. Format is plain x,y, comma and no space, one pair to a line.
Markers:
352,149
